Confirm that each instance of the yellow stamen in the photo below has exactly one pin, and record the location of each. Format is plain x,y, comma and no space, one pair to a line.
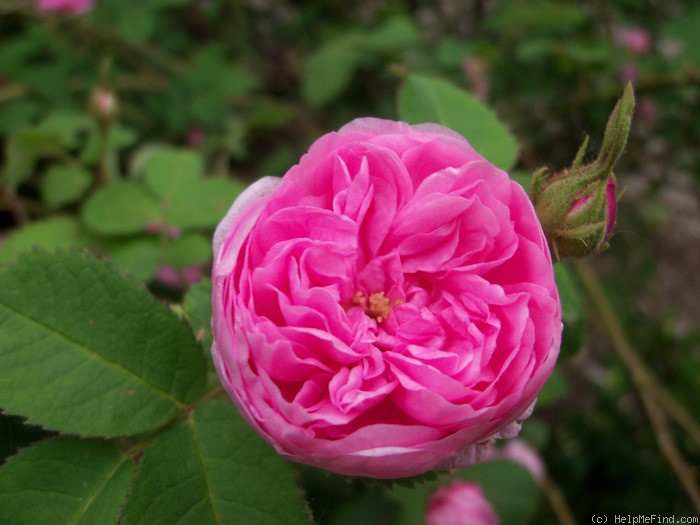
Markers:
379,306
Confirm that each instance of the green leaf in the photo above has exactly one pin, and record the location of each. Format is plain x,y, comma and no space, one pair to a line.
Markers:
64,184
191,248
197,305
22,149
426,99
396,34
329,71
17,113
67,126
508,486
85,350
56,232
553,390
569,294
522,177
538,17
202,203
138,255
121,208
683,32
213,469
168,169
65,480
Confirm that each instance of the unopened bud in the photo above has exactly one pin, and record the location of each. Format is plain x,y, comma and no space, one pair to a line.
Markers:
103,105
578,206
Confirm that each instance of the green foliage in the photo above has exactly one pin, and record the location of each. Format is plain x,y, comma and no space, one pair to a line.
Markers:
213,468
64,184
100,357
425,99
80,354
508,486
122,208
331,68
65,480
22,150
56,232
211,95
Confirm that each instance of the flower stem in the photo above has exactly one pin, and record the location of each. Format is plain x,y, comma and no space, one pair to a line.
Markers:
657,402
557,501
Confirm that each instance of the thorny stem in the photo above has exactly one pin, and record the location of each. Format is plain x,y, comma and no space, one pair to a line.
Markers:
656,401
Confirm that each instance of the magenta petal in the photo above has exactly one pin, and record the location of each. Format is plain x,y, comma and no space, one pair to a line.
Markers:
388,306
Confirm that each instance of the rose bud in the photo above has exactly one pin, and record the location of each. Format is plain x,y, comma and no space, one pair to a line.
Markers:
462,503
103,104
578,206
386,308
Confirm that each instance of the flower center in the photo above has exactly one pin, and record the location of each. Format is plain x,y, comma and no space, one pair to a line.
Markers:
378,306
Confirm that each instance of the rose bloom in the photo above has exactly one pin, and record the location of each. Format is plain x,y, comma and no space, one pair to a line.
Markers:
74,7
387,307
462,503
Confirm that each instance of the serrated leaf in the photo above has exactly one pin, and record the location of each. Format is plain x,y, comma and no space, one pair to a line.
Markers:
213,469
426,99
65,480
121,208
64,184
84,350
202,203
56,232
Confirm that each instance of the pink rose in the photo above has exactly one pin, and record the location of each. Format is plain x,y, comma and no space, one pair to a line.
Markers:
388,306
74,7
461,503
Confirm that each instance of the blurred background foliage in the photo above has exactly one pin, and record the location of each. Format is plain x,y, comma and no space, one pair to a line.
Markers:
129,129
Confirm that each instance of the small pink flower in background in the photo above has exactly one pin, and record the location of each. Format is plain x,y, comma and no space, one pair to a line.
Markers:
74,7
462,503
635,39
648,111
628,72
522,453
179,278
387,307
194,137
